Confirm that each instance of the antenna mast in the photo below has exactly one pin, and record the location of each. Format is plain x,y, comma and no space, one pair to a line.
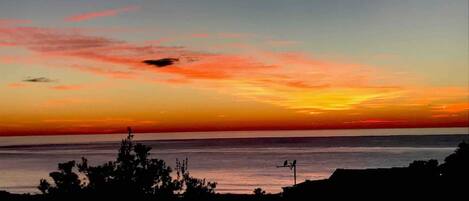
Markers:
292,166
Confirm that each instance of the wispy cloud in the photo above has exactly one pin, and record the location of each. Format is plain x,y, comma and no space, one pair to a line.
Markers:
53,39
68,101
374,121
8,22
102,71
102,13
452,108
66,87
199,35
17,85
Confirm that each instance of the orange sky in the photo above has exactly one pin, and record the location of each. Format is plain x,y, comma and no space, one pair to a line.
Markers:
86,72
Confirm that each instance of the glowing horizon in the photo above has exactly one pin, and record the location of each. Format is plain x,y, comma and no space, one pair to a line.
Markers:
87,67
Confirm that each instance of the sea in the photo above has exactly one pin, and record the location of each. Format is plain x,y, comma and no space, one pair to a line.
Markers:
239,161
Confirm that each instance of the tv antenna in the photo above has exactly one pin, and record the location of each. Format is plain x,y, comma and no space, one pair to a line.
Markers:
292,166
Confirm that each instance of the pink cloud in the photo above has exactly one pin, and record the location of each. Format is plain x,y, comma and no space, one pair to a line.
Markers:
17,85
290,80
102,13
72,42
66,87
5,44
50,40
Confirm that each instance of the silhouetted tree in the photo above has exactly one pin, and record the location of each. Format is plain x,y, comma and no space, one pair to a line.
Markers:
44,186
132,175
456,166
65,179
258,192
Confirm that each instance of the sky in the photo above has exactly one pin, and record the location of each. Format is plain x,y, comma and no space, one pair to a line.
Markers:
71,67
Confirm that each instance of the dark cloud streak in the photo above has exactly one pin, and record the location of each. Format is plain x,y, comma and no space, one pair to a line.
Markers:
38,79
161,62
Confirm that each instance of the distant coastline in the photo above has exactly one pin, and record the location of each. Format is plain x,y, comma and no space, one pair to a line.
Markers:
182,131
85,138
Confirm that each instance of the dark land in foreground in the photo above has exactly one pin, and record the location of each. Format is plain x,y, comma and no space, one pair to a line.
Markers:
136,176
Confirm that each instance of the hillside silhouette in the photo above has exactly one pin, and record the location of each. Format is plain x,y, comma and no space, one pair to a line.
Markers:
134,175
420,180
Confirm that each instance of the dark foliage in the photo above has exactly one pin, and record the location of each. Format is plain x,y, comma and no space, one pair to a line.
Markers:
132,175
456,166
258,192
194,188
65,179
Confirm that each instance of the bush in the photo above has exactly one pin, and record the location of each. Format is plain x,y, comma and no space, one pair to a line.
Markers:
194,188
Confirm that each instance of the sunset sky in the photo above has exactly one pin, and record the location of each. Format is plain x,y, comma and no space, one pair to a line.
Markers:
69,67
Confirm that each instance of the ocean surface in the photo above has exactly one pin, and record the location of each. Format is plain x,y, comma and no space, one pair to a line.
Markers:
237,161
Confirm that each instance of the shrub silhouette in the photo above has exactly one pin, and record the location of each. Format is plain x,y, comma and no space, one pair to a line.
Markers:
133,174
194,188
427,169
258,192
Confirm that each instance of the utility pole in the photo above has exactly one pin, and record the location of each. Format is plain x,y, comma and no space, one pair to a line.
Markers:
292,166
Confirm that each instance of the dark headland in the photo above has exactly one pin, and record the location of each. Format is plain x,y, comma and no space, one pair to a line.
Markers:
136,176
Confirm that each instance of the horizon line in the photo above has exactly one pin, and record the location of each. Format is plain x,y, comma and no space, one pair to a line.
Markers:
221,130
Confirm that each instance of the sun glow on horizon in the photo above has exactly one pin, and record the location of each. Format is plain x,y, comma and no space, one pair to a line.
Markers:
118,64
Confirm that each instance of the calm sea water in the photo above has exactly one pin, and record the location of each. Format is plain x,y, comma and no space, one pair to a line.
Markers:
238,161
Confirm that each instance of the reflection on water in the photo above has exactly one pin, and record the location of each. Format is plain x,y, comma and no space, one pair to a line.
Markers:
238,165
